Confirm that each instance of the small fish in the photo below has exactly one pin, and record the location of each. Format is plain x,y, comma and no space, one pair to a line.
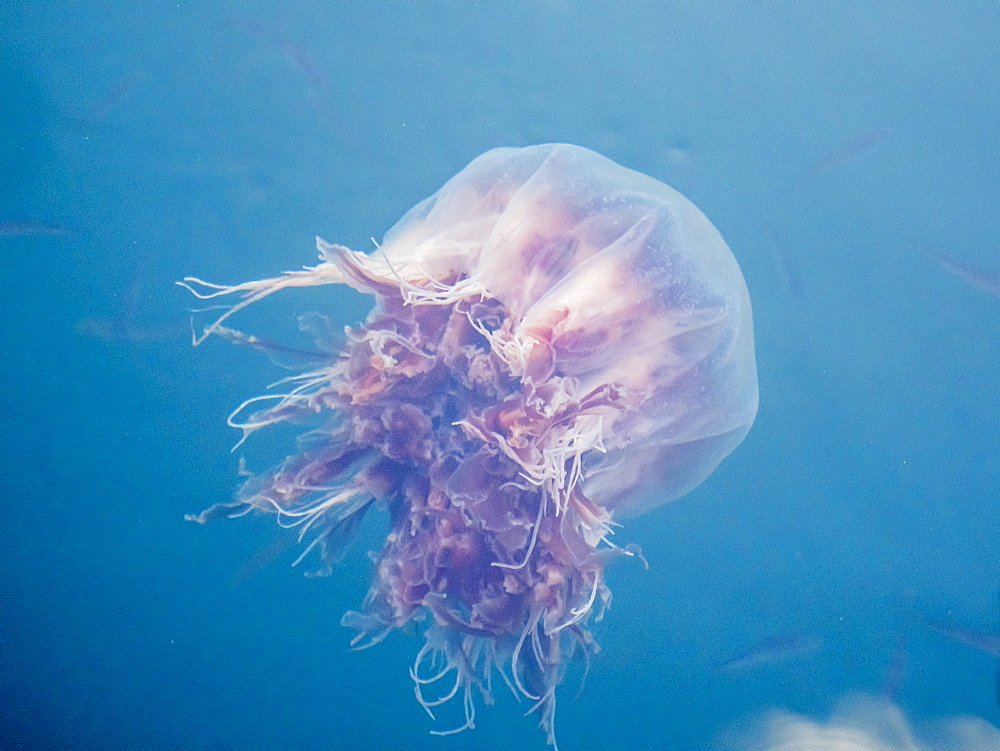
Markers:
264,557
267,346
785,264
772,649
29,229
113,97
118,330
322,92
845,153
895,673
987,280
123,327
981,640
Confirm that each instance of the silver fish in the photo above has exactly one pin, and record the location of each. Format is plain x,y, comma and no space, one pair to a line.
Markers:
29,229
980,277
982,640
772,649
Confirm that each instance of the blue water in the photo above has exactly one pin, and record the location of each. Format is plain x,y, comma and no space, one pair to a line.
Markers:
837,146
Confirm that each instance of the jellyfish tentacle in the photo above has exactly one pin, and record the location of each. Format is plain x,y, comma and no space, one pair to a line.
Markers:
308,276
531,544
579,613
528,628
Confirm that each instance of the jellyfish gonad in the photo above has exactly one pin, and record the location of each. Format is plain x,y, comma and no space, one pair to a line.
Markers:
557,343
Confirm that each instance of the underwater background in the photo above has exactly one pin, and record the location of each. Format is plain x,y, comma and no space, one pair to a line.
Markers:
847,151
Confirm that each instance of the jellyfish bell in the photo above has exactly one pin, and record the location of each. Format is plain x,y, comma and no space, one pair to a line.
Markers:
557,343
609,277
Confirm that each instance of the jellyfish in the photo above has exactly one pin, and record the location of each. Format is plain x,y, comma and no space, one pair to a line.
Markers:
557,344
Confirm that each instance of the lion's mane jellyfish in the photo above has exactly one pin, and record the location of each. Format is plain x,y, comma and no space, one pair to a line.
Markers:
557,343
